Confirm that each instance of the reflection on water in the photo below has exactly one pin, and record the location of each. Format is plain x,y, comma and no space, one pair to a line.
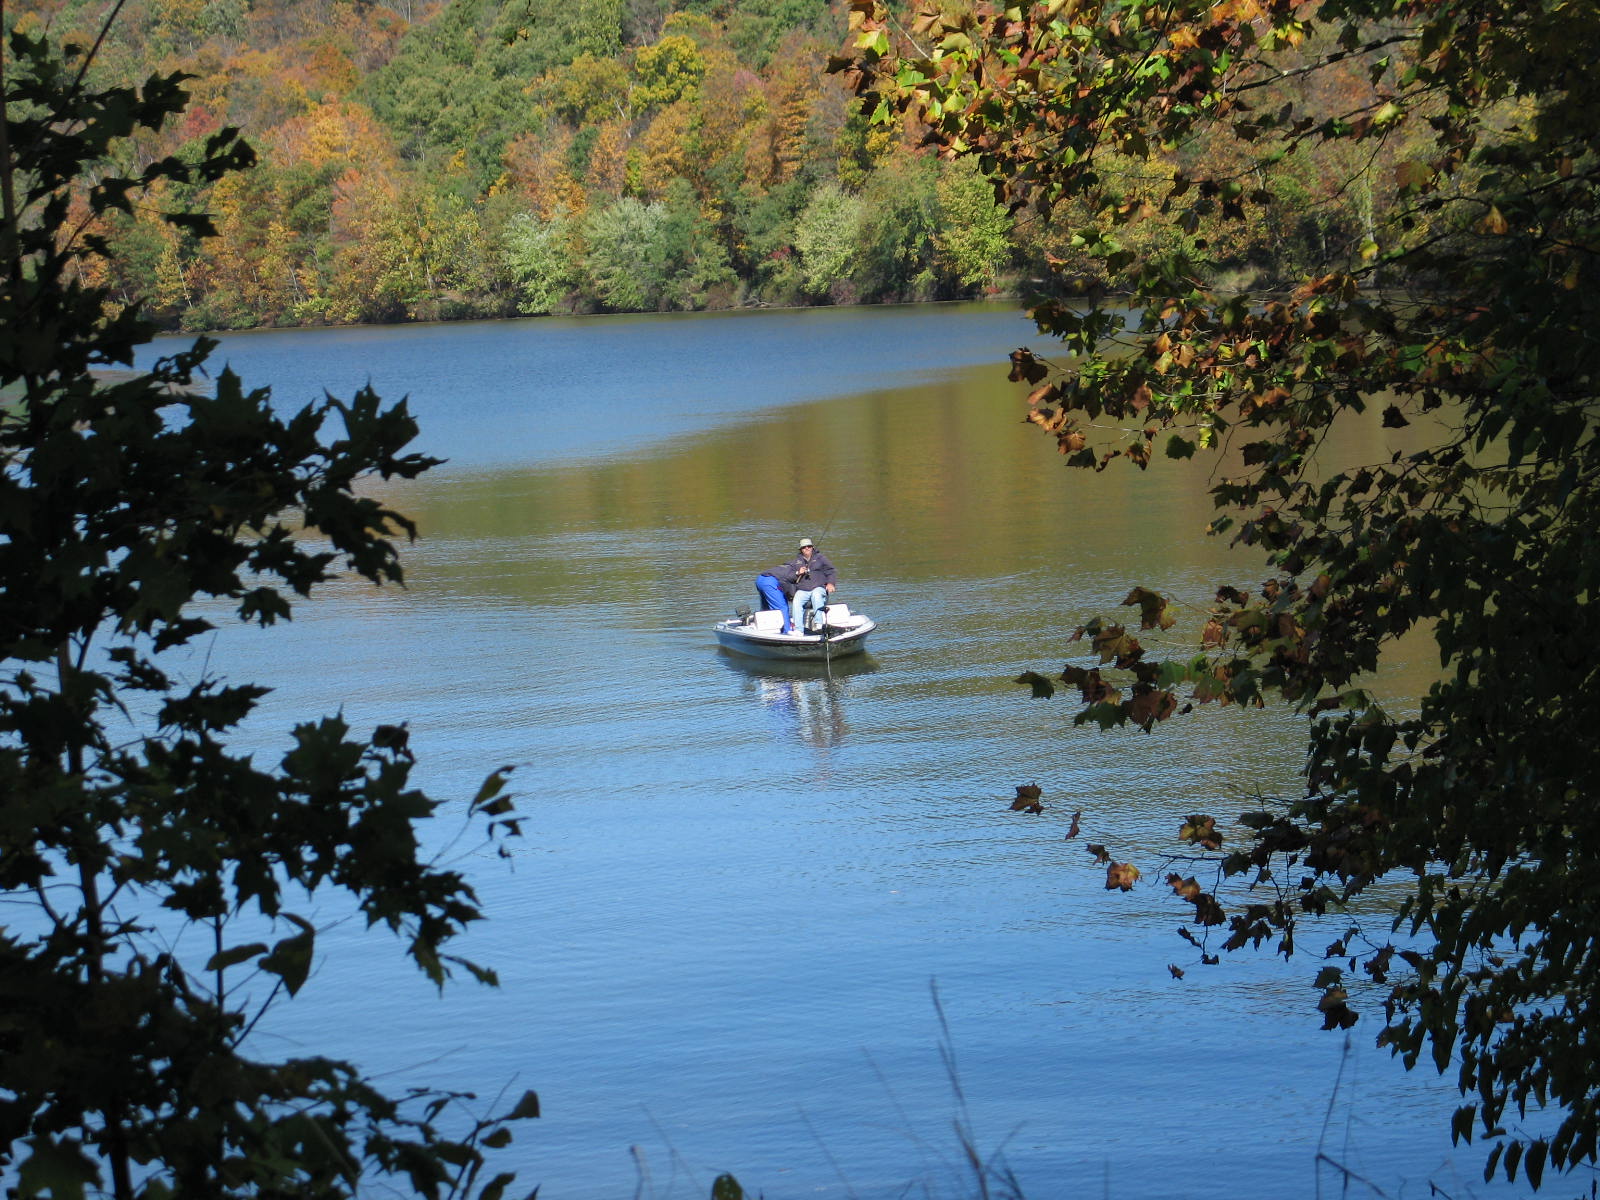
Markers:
806,700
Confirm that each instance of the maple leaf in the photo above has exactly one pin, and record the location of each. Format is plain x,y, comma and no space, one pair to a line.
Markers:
1027,799
1099,852
1336,1013
1153,609
1042,687
1206,909
1201,830
1073,831
1025,366
1150,705
1184,889
1121,876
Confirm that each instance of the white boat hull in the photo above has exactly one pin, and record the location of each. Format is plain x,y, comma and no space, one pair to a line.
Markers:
846,635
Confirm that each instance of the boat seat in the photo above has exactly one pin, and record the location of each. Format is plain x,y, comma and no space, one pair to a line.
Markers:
840,617
769,620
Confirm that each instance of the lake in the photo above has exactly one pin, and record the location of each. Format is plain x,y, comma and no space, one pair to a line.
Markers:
783,922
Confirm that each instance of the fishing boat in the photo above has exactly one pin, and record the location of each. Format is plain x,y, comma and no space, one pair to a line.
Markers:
760,635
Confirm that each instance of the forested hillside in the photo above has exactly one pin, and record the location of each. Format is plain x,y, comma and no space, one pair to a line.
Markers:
457,158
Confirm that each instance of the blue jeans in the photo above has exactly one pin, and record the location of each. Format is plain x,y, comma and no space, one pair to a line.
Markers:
771,593
817,597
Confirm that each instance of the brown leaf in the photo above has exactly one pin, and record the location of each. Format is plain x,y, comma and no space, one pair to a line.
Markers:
1177,972
1206,909
1153,610
1027,799
1336,1013
1150,705
1184,889
1201,830
1110,642
1090,685
1099,852
1073,831
1214,634
1025,366
1121,876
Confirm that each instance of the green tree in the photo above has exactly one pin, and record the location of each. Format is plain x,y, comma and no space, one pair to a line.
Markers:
895,242
541,259
648,257
124,505
666,72
826,236
622,254
974,237
1478,810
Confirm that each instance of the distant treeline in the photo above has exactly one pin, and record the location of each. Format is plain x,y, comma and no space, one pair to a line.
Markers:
482,158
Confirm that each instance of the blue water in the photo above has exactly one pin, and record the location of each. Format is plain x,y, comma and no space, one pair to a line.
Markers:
784,923
554,388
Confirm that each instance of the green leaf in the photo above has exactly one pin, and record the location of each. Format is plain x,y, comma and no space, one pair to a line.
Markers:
1042,687
291,958
492,786
60,1168
527,1108
224,959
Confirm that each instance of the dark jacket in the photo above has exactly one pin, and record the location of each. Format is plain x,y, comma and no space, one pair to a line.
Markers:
821,571
786,575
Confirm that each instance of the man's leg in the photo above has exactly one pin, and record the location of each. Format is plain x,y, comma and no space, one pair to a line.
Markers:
818,598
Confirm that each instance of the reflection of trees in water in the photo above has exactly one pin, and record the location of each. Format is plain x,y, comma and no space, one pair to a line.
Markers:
814,707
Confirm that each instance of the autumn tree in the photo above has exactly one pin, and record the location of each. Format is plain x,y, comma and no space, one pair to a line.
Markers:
132,510
1468,156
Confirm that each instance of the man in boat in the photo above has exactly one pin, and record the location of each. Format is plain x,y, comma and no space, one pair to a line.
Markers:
815,582
808,576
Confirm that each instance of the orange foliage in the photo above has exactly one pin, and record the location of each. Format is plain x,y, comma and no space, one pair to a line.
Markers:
665,151
537,170
608,161
336,132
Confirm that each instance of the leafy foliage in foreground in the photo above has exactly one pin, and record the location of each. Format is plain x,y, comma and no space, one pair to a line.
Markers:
127,820
1467,310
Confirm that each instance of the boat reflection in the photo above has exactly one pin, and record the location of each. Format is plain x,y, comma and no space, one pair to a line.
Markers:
806,700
